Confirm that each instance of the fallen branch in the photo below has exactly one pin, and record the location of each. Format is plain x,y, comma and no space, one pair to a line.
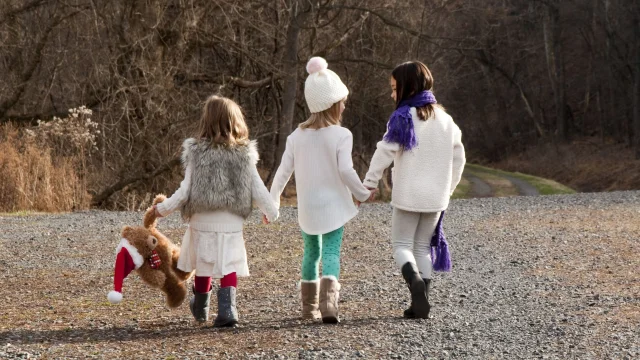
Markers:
106,194
239,82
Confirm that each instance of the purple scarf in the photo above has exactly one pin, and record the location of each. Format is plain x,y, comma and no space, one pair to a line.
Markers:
400,126
440,256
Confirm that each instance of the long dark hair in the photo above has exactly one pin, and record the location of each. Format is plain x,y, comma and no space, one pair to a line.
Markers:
411,78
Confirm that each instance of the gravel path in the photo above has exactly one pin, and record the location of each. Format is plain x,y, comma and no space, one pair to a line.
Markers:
534,277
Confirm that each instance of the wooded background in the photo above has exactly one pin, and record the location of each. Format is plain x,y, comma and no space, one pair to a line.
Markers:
513,74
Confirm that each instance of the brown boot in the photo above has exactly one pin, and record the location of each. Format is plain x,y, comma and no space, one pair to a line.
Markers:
329,295
309,291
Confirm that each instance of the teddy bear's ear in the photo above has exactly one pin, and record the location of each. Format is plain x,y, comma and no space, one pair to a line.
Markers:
126,231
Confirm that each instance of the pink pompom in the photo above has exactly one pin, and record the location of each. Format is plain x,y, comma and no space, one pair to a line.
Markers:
316,64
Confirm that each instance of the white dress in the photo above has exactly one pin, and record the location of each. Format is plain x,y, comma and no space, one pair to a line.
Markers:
213,244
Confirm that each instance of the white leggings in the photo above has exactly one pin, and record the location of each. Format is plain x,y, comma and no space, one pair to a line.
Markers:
411,234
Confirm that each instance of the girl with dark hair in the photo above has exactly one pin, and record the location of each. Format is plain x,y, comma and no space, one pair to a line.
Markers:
426,148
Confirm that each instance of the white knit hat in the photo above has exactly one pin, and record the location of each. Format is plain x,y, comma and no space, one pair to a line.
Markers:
323,87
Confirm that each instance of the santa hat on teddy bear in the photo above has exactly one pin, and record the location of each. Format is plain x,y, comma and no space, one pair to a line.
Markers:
127,259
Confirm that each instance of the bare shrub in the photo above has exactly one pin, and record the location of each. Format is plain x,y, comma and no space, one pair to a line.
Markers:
68,136
43,168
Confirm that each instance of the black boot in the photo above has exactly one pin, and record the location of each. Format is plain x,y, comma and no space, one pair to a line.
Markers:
227,311
408,313
419,301
199,305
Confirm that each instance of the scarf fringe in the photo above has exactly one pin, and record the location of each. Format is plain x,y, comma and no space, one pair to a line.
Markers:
400,129
440,255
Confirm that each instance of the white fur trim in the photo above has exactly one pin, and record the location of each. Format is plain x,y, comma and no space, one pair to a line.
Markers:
310,281
254,155
114,297
331,277
135,255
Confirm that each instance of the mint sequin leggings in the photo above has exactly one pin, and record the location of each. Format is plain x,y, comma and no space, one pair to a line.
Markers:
327,245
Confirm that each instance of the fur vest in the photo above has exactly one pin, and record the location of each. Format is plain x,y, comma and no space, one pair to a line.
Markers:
221,177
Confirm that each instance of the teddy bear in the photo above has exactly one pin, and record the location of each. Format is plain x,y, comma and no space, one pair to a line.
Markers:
153,256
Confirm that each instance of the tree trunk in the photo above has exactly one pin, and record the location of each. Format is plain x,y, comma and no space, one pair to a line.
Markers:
555,63
601,119
610,100
290,65
636,85
366,51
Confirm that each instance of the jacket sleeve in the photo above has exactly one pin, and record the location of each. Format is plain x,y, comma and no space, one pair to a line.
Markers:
459,160
382,159
348,174
261,197
285,170
179,197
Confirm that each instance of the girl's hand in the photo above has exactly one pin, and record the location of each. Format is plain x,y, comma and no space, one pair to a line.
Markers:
265,220
156,212
373,193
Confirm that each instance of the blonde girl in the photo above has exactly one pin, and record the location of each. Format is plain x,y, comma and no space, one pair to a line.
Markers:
319,152
221,181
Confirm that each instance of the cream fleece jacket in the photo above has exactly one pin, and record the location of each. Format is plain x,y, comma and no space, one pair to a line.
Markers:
325,178
425,177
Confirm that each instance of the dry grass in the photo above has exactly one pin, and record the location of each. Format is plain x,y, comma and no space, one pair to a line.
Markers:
586,165
32,179
462,190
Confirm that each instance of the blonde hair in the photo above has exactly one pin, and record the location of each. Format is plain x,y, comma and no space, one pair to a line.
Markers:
222,122
331,116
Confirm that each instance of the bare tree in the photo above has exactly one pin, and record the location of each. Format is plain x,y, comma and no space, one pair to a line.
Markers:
636,80
511,73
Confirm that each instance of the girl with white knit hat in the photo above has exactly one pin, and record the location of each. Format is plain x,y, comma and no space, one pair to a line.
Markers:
425,146
319,151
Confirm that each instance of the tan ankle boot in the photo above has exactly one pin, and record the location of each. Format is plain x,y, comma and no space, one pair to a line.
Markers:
309,291
329,296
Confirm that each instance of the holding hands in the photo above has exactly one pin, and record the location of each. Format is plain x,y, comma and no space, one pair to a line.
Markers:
371,197
374,191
